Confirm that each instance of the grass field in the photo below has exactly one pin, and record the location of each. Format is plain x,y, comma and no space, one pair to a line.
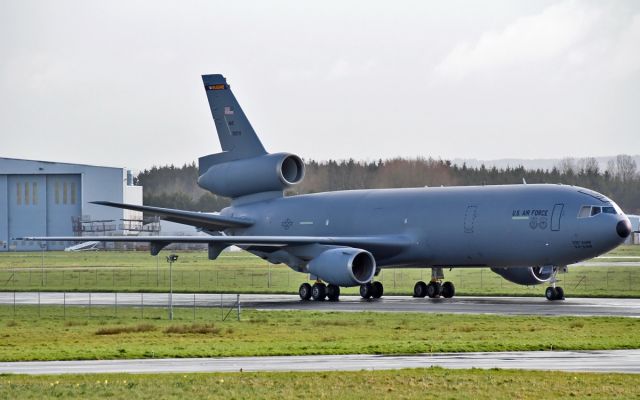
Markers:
243,273
103,336
399,384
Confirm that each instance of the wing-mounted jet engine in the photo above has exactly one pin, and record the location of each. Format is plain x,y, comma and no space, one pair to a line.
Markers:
244,167
525,275
533,276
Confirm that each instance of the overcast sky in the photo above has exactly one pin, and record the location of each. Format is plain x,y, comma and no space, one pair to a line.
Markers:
118,82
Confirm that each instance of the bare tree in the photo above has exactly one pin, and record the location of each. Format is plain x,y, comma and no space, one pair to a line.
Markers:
623,168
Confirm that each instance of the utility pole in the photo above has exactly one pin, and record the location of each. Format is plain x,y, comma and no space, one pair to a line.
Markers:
171,259
42,246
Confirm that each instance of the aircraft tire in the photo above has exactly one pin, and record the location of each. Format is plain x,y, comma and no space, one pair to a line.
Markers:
366,290
433,290
420,289
305,291
319,291
559,293
333,292
448,290
551,293
378,289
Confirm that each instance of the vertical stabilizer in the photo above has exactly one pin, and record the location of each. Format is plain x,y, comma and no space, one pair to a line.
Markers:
237,137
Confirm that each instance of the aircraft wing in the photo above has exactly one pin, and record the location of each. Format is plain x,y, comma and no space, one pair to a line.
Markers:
208,221
381,245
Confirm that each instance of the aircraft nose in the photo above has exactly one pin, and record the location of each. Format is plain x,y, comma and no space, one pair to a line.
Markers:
623,228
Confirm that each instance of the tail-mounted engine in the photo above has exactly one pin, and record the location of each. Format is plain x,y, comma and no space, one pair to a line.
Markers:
526,275
264,173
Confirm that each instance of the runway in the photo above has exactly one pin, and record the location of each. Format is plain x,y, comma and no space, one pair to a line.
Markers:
458,305
624,361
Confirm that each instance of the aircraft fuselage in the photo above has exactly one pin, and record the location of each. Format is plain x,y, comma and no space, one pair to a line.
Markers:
497,226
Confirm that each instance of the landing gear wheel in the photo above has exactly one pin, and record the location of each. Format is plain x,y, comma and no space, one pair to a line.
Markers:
551,293
434,289
448,290
333,292
559,293
319,291
378,290
366,290
420,289
305,291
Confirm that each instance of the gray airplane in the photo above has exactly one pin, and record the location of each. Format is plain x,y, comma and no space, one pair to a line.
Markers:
524,233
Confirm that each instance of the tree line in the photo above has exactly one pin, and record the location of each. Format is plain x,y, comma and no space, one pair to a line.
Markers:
176,187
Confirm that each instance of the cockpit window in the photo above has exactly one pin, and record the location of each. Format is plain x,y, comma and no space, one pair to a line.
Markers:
590,211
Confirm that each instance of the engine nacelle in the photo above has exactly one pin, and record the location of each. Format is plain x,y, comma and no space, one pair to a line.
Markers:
344,266
525,275
266,173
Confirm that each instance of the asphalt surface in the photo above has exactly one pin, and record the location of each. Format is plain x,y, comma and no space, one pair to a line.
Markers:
460,305
625,361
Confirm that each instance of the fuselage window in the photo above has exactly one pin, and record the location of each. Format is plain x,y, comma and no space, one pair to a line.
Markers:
595,211
585,212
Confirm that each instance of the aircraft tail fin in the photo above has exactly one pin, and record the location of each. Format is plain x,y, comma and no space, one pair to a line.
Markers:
243,169
237,137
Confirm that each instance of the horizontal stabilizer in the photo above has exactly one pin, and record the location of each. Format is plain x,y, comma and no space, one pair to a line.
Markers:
212,222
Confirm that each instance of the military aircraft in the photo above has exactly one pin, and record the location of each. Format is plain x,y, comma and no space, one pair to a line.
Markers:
526,233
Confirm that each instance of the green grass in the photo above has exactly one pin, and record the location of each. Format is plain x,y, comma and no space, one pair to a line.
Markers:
398,384
132,271
104,336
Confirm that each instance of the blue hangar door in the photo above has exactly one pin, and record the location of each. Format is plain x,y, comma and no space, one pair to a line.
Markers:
42,205
63,203
27,209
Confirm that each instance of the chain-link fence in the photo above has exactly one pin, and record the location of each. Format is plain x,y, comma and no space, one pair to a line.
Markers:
588,281
74,305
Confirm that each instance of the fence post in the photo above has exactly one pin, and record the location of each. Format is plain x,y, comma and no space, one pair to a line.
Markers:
221,309
116,293
64,305
89,304
38,304
142,305
194,306
14,304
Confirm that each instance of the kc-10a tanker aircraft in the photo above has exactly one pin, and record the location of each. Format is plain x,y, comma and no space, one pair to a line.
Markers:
524,233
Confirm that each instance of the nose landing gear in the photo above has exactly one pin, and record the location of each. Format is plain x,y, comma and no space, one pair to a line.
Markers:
554,292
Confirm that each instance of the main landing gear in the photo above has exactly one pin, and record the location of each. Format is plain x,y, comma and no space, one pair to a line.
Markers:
319,291
554,292
372,289
434,289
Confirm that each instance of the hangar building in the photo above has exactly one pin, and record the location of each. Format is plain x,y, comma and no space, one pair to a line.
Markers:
40,198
